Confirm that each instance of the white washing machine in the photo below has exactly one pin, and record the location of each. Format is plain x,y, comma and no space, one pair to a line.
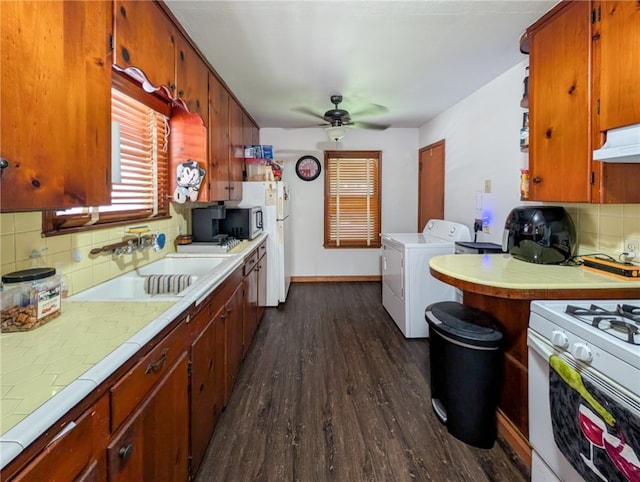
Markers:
407,285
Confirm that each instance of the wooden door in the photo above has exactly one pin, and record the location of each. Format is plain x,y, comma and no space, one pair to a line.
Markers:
218,170
430,183
219,360
559,89
154,443
250,312
145,38
262,286
56,140
619,44
191,79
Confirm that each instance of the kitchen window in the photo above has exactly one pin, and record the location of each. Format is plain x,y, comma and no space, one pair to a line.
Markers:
139,186
352,199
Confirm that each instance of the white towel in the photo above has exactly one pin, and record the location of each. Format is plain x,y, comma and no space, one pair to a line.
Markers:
166,283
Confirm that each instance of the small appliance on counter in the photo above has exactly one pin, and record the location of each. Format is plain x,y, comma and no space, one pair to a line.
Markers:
242,223
539,234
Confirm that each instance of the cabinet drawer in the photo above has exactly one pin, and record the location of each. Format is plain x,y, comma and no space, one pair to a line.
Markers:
70,454
250,262
136,384
262,249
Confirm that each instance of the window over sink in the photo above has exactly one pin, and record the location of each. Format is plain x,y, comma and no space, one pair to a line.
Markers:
139,186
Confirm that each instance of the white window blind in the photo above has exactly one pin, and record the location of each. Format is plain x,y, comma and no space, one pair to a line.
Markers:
140,188
352,199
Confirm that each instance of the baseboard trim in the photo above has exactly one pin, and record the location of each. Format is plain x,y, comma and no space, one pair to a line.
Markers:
334,279
518,442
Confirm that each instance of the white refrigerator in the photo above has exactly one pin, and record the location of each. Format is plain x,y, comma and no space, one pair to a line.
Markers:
273,197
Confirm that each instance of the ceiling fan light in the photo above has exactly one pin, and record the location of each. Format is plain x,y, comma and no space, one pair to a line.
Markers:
335,133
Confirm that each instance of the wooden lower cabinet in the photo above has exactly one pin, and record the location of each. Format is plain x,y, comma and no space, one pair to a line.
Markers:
232,316
153,421
76,453
204,390
250,309
153,444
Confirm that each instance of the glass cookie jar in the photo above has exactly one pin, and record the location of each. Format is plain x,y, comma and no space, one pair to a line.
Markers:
29,299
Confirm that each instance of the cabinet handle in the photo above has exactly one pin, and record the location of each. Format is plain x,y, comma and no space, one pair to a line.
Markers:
3,165
181,93
537,180
125,451
152,367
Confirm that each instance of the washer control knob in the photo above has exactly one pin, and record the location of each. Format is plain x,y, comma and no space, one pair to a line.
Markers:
582,352
559,338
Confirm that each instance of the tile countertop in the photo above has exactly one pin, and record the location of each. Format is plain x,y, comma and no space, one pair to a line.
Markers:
47,371
505,271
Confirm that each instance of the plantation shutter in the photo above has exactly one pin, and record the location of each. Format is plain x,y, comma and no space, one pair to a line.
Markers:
352,199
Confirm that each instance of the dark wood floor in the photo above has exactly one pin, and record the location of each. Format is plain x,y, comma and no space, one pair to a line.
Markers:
332,391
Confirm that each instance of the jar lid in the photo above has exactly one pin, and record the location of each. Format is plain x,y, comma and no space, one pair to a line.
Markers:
28,275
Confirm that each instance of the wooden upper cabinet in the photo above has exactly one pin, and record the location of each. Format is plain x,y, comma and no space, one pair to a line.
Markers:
559,103
619,54
56,110
191,79
236,149
145,38
218,167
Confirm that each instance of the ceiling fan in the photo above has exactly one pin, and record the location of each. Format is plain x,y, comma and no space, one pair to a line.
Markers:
336,119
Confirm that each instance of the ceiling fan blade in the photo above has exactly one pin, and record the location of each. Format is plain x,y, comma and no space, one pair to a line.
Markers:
373,109
369,125
305,110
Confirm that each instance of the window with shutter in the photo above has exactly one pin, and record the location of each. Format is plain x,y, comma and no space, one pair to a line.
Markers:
352,199
139,188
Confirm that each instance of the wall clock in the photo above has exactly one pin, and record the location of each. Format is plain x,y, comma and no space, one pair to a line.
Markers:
308,168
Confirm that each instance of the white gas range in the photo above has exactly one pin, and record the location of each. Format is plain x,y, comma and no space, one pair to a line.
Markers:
584,390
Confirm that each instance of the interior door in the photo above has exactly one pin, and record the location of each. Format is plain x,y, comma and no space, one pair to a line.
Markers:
430,183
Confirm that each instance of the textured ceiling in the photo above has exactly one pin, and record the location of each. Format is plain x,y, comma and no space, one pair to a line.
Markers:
398,63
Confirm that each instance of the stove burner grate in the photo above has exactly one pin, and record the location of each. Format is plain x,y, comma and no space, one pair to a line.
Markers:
624,320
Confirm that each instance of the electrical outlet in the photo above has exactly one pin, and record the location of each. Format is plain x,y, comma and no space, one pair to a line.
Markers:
486,229
487,186
631,246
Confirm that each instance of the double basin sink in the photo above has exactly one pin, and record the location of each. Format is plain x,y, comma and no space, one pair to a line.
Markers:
131,286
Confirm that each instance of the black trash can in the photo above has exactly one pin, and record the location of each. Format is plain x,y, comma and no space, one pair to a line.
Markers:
466,370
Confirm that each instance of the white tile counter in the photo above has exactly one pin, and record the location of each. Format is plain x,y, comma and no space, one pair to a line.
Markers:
47,371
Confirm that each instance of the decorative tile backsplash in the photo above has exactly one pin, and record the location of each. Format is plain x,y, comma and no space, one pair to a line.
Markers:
20,239
603,228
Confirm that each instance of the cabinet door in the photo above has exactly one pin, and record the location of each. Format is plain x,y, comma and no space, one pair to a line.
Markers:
144,38
236,150
76,452
219,361
191,79
250,311
218,140
559,138
203,416
233,325
154,443
56,141
619,45
262,285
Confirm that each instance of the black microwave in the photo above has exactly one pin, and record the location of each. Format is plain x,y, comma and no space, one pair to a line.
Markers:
242,223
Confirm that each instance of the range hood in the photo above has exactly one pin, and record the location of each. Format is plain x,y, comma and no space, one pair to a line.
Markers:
623,145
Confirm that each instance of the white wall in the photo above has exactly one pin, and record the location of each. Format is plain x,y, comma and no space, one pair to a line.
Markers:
399,195
482,135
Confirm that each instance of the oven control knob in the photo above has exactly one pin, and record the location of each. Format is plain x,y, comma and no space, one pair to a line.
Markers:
559,338
582,352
